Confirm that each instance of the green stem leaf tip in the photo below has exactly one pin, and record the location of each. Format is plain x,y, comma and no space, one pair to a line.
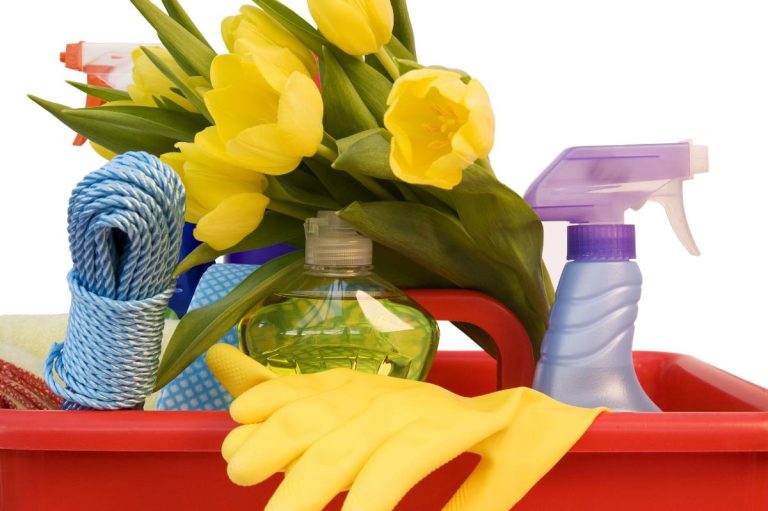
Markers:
190,53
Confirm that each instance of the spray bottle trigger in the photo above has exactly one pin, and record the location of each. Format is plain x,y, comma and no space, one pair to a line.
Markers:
670,196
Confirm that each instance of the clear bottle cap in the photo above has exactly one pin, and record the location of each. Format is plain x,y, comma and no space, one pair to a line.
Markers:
333,242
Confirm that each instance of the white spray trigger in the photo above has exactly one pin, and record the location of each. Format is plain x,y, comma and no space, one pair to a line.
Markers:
671,197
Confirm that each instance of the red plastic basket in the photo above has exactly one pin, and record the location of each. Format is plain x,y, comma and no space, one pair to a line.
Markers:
709,452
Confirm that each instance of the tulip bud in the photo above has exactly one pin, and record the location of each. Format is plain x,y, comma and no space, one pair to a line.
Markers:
254,31
358,27
150,83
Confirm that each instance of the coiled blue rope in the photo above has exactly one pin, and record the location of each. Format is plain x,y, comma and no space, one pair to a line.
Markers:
125,223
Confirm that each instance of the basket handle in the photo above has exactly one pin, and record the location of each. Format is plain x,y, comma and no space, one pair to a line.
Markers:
514,365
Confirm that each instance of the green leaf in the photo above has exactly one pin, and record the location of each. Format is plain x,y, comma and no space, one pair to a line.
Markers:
403,272
398,50
171,123
405,65
374,62
371,85
202,328
436,198
149,120
345,113
275,228
190,53
366,153
169,104
507,230
177,12
285,188
403,30
117,138
439,242
295,24
105,93
340,185
186,90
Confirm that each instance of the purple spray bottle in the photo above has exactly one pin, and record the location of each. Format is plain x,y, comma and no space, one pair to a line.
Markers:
586,355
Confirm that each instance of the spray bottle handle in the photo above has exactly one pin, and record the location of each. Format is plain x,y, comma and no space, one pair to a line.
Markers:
670,196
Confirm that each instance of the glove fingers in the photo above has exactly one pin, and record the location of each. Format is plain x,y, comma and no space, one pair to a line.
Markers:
235,370
412,454
236,438
285,435
289,431
261,401
330,465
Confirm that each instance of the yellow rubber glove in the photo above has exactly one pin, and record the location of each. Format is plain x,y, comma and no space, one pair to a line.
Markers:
378,436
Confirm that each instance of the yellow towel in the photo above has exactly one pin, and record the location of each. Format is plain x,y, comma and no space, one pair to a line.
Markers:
25,340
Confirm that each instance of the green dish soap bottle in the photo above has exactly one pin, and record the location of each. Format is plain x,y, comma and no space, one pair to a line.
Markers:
338,313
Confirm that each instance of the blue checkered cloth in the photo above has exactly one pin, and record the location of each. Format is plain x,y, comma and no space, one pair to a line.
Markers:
196,388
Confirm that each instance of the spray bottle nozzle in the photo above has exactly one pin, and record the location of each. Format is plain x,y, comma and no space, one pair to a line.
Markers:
598,184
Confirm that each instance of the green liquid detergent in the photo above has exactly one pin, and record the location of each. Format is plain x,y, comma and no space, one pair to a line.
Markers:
339,313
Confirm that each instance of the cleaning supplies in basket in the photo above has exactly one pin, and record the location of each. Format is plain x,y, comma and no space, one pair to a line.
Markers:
586,355
379,436
125,223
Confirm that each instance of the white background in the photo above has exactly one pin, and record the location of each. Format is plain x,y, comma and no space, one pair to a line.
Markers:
560,73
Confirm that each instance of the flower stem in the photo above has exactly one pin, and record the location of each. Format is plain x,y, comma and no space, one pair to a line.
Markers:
291,210
327,153
407,192
388,62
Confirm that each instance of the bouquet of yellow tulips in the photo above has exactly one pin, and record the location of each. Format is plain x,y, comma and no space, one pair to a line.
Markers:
296,119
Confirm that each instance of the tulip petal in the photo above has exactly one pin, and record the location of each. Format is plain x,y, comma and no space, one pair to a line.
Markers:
442,171
210,187
301,114
232,220
209,151
382,19
176,161
240,97
477,134
346,25
418,82
102,151
229,31
282,59
194,210
260,26
264,147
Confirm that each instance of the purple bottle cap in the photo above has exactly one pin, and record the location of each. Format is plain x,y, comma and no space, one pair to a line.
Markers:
601,242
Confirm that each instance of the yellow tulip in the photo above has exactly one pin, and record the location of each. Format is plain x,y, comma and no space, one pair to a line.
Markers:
150,83
266,120
224,200
439,125
358,27
254,31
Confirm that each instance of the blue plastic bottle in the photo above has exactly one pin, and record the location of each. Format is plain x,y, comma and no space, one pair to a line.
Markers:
586,355
586,358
